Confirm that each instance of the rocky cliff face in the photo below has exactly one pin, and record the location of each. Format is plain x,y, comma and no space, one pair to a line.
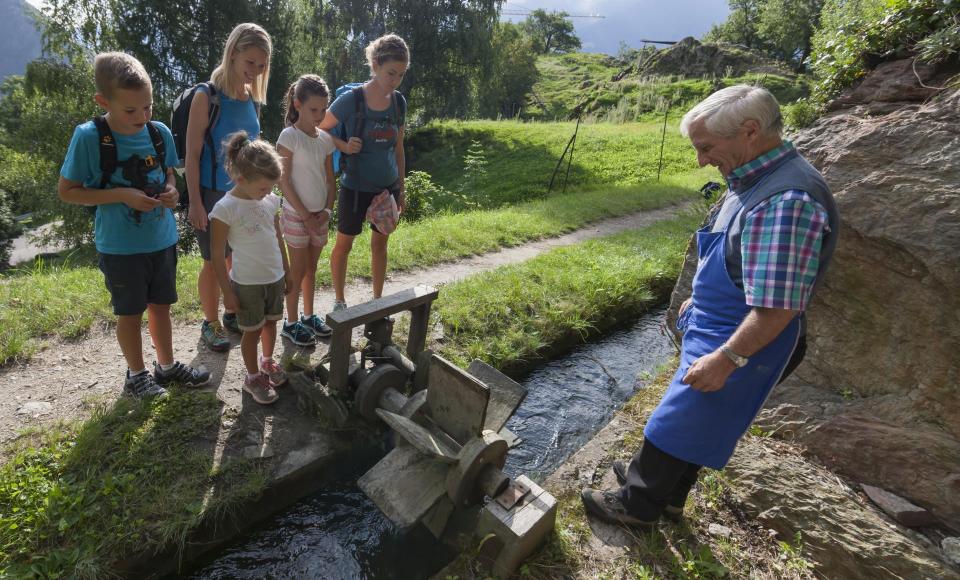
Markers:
692,58
877,397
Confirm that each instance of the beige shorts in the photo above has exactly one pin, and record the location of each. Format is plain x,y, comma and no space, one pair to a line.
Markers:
258,303
295,231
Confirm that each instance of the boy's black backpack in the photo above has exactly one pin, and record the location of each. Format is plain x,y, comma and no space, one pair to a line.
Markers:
342,162
180,115
108,153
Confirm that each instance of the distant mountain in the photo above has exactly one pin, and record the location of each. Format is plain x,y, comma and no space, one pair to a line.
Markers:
19,37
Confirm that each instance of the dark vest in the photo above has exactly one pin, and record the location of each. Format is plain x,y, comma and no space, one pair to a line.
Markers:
791,172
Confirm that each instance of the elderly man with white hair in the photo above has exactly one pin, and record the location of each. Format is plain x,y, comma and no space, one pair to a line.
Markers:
765,246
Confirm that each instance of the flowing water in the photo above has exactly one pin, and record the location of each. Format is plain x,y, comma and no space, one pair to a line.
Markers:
339,533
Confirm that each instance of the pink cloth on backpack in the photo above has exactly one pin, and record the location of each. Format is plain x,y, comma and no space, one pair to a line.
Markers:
384,213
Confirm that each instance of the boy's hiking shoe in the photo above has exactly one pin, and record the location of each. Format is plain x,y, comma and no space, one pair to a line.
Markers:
620,470
260,389
606,506
298,334
211,334
142,386
230,322
317,326
274,372
181,374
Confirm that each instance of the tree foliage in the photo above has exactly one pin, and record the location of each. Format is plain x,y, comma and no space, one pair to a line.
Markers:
780,28
512,75
551,32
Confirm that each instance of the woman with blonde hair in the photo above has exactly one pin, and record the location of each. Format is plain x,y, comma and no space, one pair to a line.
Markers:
236,91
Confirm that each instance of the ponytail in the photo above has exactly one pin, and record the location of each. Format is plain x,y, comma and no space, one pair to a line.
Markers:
290,112
251,159
300,90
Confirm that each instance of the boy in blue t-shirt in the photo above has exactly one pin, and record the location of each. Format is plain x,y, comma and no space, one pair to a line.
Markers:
134,228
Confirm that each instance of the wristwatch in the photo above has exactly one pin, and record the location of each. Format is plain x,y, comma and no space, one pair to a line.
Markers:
740,361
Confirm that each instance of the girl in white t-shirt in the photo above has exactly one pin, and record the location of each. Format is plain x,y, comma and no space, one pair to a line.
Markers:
247,217
309,191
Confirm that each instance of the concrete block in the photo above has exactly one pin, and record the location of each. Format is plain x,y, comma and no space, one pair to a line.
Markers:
517,532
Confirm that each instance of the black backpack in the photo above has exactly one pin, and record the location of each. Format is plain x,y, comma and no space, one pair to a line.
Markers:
108,153
180,116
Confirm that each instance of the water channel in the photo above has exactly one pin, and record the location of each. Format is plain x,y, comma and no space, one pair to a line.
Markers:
339,533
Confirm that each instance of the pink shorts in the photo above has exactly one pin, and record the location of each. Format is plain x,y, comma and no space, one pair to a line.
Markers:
295,231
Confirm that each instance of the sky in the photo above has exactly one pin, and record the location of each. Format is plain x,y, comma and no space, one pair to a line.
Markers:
630,21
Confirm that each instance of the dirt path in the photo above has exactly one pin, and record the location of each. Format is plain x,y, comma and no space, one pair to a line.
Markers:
64,380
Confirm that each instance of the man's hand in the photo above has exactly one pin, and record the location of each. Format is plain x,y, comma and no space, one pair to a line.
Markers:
709,373
684,305
197,215
169,197
136,199
353,146
230,300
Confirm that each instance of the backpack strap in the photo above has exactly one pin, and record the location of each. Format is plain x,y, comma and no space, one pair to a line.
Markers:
156,137
359,124
213,115
108,150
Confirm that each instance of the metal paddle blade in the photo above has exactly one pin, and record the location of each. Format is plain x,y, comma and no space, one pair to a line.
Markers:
405,485
457,400
506,394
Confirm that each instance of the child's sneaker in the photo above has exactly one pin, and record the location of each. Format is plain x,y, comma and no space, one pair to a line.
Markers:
211,334
142,385
298,334
339,305
182,375
230,322
260,389
317,326
273,371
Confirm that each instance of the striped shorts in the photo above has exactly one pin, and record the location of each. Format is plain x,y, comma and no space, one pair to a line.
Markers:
295,231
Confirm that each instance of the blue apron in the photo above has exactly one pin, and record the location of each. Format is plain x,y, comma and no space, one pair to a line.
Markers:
703,428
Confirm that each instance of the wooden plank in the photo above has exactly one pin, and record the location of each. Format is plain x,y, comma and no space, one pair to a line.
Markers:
405,485
369,311
417,338
419,437
339,360
456,400
506,394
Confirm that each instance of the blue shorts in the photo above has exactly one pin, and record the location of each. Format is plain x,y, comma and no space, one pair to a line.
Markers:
136,280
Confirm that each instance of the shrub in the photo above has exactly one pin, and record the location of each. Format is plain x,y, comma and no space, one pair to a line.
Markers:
8,230
425,198
800,114
852,30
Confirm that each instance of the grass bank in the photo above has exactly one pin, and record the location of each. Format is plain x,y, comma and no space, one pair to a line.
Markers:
65,301
686,549
136,477
522,312
521,157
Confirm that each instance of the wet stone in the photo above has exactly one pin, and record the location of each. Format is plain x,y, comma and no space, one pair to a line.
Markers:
898,508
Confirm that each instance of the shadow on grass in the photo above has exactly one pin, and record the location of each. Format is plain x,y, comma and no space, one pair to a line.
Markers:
92,500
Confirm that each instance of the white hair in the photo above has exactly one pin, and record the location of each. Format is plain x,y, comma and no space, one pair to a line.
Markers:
726,110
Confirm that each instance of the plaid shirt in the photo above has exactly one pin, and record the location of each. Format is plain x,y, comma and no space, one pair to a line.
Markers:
781,241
